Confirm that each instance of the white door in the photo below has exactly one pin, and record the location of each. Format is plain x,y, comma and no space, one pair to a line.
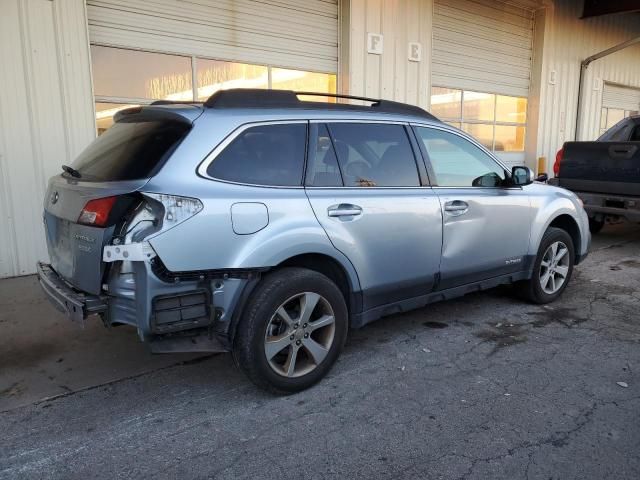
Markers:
287,33
482,53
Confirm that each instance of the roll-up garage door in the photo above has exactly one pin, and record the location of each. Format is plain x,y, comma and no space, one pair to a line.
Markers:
619,97
482,45
284,33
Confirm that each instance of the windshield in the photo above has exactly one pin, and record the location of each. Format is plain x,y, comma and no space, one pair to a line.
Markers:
130,150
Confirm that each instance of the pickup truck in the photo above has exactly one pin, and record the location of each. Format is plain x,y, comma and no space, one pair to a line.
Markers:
605,174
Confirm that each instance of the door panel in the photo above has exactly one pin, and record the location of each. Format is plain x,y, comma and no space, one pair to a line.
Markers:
488,239
486,225
392,237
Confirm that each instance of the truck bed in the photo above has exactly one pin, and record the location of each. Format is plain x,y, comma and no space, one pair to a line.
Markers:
601,167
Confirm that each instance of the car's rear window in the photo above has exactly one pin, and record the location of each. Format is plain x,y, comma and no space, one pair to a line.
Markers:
130,150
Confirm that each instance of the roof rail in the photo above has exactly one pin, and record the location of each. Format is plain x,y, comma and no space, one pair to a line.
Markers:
175,102
260,98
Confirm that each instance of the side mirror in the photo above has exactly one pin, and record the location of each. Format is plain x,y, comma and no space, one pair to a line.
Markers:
521,176
543,177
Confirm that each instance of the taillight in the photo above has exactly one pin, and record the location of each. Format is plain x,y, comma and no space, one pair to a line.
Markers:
556,165
96,212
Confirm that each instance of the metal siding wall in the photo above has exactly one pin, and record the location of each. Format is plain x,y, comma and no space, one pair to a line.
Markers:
615,96
286,33
46,112
482,45
567,41
390,75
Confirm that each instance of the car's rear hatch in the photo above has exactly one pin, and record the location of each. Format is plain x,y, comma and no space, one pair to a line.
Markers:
113,168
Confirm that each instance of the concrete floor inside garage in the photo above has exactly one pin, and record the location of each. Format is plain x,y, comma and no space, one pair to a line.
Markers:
480,387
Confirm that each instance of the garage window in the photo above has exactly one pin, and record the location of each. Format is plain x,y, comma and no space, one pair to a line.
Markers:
496,121
124,78
610,116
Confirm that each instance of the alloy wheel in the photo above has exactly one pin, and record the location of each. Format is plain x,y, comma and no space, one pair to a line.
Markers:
299,334
554,267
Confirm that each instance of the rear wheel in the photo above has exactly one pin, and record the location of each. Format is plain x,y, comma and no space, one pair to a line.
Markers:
595,225
292,331
552,268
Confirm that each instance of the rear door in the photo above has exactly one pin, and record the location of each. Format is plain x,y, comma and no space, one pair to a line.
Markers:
371,197
486,226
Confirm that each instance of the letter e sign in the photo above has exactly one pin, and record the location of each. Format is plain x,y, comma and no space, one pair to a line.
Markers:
374,43
415,52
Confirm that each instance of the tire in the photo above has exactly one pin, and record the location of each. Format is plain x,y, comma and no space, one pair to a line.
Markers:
595,225
274,321
532,289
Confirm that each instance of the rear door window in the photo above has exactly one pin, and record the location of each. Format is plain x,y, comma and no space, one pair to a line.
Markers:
130,150
374,155
271,155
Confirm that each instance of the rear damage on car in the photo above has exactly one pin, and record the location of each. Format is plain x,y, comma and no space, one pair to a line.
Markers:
100,222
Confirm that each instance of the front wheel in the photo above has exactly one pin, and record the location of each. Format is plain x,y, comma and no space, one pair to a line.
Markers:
292,330
552,268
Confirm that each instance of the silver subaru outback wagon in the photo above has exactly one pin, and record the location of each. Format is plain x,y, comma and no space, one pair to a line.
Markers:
265,225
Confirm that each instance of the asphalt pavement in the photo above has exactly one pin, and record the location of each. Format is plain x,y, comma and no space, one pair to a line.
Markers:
480,387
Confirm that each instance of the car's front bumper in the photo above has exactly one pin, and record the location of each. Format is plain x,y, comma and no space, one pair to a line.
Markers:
74,304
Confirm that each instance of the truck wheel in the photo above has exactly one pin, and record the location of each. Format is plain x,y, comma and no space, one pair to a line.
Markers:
292,330
595,225
552,268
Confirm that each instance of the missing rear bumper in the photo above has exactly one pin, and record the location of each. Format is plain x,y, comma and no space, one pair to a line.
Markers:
75,305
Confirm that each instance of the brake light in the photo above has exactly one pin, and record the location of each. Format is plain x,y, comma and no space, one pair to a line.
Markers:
556,165
96,212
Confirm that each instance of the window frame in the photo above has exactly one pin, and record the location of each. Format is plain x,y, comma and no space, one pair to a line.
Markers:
420,163
202,168
460,120
469,138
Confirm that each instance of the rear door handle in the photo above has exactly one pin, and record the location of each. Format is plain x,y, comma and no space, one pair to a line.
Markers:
344,210
456,207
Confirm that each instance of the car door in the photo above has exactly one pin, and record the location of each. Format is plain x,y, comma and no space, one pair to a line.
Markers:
366,189
486,225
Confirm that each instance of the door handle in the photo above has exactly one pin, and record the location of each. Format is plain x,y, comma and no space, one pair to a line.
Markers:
622,151
456,207
344,210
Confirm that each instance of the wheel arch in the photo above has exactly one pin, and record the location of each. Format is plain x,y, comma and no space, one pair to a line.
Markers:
330,268
557,208
340,271
569,224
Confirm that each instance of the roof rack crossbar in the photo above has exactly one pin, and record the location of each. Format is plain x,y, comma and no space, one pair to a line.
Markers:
260,98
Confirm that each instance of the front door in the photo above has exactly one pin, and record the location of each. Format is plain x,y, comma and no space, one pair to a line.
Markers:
365,188
486,226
